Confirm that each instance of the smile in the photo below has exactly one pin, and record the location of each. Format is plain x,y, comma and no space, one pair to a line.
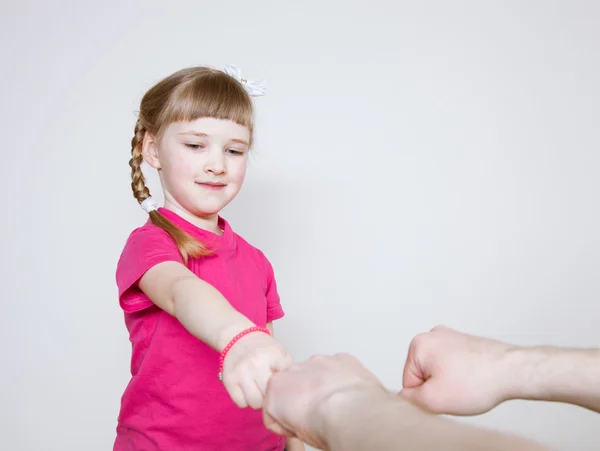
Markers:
211,185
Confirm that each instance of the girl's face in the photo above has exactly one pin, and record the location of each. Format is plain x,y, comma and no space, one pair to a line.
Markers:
202,165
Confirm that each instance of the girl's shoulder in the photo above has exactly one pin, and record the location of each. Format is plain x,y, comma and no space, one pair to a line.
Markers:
148,233
147,242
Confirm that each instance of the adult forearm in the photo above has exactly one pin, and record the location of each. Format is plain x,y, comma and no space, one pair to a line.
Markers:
556,374
205,312
395,424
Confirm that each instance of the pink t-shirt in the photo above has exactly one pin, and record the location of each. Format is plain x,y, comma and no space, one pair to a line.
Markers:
174,400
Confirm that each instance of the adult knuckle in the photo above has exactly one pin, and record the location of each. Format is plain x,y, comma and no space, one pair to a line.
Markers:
317,358
440,328
419,341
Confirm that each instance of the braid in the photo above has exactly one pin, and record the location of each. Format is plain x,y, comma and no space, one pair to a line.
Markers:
187,245
138,183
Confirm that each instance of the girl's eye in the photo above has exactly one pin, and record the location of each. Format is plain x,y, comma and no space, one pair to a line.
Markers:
194,146
235,152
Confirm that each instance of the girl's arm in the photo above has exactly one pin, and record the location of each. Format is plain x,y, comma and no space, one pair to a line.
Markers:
199,306
207,315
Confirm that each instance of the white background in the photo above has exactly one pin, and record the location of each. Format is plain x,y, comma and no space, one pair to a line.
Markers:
416,163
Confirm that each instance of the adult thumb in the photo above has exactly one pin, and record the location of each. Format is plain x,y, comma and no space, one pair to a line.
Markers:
420,396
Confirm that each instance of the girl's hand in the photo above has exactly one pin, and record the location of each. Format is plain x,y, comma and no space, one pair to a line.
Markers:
249,365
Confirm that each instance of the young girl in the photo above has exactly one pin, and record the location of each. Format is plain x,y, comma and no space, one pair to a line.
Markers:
199,300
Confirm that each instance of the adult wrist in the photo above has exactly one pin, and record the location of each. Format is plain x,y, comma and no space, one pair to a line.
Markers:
556,374
528,372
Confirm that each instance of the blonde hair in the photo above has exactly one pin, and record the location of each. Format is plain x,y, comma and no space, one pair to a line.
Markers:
186,95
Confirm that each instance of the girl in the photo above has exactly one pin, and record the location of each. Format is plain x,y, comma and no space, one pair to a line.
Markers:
199,301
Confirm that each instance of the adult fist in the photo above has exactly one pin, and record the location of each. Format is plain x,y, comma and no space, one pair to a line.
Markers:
449,372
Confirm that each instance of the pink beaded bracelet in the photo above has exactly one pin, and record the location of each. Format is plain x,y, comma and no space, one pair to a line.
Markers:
233,341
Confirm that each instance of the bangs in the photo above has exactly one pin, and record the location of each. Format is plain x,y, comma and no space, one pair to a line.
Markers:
210,94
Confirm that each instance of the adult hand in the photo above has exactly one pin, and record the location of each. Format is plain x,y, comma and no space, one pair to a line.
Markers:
305,399
449,372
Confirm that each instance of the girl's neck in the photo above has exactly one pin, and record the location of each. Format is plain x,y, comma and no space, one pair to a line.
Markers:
209,223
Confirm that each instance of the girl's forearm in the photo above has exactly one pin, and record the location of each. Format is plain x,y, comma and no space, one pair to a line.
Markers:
205,312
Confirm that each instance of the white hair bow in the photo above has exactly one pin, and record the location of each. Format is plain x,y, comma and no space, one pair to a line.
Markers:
254,88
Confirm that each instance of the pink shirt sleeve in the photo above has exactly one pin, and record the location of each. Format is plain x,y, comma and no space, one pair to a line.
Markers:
274,309
145,248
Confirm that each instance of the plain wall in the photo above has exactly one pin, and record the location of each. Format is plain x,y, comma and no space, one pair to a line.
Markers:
416,163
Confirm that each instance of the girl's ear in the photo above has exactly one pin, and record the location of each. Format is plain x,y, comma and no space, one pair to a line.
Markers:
150,151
